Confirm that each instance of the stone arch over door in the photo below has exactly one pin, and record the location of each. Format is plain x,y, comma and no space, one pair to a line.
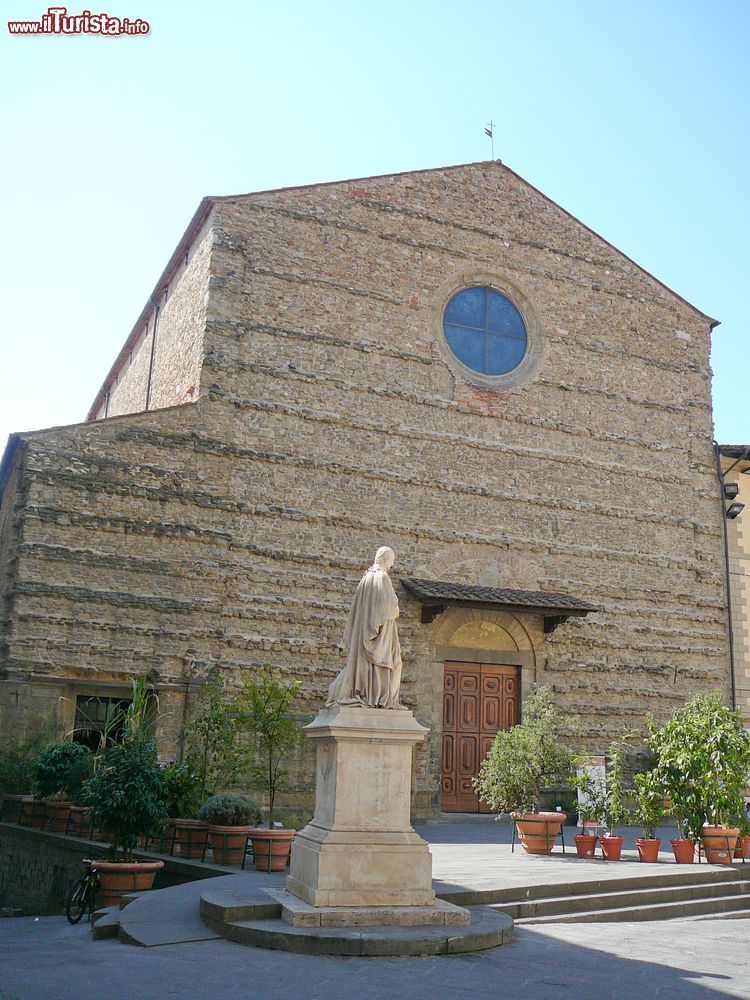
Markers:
488,662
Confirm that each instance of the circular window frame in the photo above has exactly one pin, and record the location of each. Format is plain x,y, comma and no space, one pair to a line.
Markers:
528,365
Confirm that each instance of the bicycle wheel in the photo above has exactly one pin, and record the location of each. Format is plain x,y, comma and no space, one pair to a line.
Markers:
78,900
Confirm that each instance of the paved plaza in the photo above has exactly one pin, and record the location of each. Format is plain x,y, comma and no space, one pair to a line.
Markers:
47,959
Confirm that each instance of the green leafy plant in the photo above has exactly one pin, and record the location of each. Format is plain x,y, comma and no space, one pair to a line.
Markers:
649,796
17,762
139,719
127,794
525,759
591,799
603,797
211,739
614,810
264,712
182,790
230,810
703,760
61,770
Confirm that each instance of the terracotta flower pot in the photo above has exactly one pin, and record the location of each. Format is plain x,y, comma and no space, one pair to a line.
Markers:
538,830
742,850
80,824
58,813
611,847
192,837
10,812
33,813
648,849
228,843
118,878
585,844
271,848
719,843
684,851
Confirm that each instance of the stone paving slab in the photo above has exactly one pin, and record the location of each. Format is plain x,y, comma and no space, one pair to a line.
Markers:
474,860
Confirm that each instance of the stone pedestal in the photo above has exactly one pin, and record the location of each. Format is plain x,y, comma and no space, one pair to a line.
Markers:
360,849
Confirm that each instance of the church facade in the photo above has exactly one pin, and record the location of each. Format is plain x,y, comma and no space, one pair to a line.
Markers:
445,362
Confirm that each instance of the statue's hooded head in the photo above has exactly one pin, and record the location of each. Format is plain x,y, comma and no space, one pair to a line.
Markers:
385,557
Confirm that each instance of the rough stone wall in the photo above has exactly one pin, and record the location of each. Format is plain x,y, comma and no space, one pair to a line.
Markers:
738,536
179,316
347,429
111,564
38,868
11,510
233,532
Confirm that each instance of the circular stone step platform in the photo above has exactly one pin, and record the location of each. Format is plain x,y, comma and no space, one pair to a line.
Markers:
254,921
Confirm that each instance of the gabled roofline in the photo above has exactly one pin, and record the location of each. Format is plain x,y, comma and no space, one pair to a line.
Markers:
194,227
480,163
19,438
207,204
14,442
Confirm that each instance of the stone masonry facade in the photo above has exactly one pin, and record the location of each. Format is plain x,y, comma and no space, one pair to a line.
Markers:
303,410
736,469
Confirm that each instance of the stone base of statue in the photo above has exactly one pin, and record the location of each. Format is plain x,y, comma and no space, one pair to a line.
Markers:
360,850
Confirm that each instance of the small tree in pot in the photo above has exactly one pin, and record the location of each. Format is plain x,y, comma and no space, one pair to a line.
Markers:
703,760
649,811
264,712
183,798
521,762
60,772
126,797
211,738
612,809
590,799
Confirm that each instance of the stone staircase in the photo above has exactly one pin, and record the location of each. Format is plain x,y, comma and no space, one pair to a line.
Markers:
710,892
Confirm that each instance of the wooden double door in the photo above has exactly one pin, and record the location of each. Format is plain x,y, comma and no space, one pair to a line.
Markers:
478,700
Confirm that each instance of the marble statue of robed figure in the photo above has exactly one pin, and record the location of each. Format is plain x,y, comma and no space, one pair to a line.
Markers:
372,675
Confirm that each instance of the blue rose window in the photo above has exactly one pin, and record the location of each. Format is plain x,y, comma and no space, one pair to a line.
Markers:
485,331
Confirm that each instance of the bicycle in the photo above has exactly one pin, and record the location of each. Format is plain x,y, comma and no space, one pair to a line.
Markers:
83,894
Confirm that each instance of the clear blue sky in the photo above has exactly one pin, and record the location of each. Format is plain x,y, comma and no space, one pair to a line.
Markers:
631,115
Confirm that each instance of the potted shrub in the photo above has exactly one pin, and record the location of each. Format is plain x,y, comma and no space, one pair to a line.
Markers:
649,796
60,772
612,809
211,739
126,798
264,712
17,776
703,759
230,819
520,763
589,800
183,789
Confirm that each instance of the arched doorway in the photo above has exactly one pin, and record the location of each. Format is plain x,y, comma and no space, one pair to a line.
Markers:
487,658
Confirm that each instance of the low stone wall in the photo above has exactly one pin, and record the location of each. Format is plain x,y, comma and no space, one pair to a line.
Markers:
38,868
